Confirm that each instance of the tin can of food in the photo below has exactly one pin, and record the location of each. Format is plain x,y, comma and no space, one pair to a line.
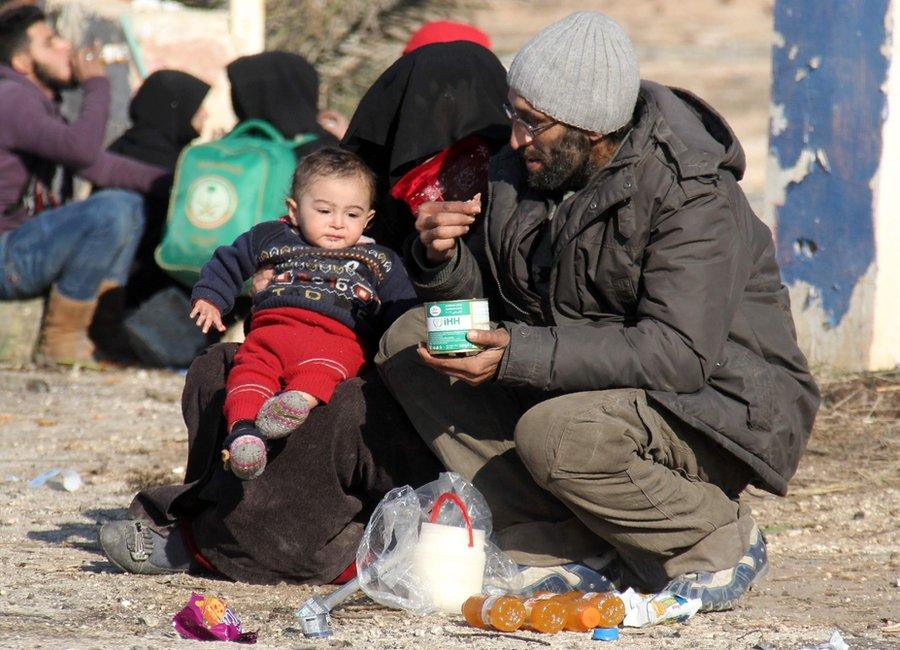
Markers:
448,322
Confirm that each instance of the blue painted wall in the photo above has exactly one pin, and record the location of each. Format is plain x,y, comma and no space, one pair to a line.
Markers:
825,227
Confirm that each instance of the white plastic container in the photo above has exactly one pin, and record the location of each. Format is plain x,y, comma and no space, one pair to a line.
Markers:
448,562
115,53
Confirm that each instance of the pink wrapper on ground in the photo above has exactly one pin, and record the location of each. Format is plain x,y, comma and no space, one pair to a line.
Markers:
208,619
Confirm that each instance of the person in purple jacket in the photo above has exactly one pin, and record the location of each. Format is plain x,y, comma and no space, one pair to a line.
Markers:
77,250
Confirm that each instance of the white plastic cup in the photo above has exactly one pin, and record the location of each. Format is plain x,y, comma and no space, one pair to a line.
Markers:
447,568
59,479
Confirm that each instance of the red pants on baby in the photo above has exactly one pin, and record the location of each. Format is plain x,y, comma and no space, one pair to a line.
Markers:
290,349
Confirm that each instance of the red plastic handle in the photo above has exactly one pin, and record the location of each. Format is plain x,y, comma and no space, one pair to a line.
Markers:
450,496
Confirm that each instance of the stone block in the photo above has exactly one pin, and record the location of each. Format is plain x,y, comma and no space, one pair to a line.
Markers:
20,326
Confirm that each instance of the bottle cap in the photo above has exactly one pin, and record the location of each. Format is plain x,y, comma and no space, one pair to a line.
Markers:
606,634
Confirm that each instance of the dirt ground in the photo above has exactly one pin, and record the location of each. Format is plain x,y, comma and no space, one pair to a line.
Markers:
834,542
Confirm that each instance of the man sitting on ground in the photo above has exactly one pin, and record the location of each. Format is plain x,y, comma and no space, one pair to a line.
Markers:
646,369
79,250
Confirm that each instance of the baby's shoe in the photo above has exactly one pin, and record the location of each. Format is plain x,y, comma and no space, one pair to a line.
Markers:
245,451
282,413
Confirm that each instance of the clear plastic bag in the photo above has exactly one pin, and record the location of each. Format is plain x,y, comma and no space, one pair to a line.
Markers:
390,558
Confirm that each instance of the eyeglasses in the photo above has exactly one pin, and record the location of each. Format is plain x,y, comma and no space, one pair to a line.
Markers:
531,130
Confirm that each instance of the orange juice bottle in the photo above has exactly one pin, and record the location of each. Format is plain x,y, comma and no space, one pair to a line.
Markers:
569,595
581,615
502,613
544,614
612,609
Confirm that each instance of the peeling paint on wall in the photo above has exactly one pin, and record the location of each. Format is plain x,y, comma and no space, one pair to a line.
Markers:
777,39
828,71
780,177
839,346
777,119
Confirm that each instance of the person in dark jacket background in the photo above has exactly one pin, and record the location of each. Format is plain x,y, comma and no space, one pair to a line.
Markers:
166,114
283,89
645,369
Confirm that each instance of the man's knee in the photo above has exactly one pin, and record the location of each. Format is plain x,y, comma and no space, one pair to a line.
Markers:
532,435
118,215
581,433
124,201
407,331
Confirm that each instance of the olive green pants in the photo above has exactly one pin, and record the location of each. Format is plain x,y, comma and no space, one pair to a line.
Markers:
568,475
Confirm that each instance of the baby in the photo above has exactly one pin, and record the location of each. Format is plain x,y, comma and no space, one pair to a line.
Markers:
331,297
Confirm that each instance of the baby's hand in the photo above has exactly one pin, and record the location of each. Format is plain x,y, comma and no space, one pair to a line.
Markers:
207,315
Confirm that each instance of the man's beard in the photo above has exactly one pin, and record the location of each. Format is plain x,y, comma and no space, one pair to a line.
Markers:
565,167
52,82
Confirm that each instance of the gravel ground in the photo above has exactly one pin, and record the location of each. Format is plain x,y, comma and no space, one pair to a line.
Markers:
834,543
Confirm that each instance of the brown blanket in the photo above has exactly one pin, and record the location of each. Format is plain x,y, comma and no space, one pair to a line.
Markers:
302,520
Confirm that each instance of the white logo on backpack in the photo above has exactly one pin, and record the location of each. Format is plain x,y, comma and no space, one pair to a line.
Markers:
211,201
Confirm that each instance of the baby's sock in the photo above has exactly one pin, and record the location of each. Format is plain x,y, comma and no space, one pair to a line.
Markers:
283,413
245,451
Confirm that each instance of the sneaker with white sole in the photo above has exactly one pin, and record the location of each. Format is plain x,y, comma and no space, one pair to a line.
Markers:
721,590
601,573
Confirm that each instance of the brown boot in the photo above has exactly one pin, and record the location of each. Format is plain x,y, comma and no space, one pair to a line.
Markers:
106,328
64,337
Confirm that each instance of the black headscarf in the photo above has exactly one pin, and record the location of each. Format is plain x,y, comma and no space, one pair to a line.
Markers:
161,113
426,101
278,87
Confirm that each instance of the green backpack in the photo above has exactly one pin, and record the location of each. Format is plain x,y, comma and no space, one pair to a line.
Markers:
221,190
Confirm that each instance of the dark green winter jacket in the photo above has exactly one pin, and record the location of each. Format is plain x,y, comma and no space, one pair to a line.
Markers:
662,279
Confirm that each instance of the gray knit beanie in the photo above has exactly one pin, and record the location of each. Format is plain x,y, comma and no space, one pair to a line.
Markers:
581,71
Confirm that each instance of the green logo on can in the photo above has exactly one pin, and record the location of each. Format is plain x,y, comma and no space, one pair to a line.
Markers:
449,322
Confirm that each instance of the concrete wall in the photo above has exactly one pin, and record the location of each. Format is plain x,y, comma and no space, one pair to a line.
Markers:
834,157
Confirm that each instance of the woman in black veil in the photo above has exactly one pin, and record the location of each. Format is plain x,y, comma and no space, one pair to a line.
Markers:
283,89
427,127
432,119
166,114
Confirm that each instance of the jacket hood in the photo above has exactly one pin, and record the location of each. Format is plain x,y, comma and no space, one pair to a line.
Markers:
698,137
